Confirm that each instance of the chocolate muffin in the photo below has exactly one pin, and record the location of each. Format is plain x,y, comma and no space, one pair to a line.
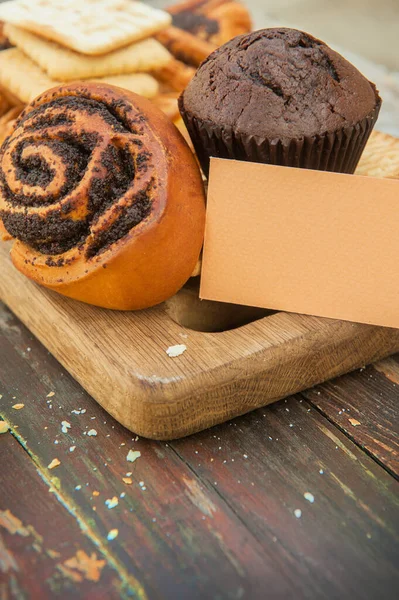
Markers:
280,96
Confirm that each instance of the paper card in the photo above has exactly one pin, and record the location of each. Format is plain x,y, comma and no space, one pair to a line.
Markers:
296,240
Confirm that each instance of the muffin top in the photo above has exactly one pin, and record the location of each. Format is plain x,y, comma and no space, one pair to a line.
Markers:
279,84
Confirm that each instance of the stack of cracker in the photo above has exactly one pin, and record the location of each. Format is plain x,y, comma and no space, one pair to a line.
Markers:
122,42
59,41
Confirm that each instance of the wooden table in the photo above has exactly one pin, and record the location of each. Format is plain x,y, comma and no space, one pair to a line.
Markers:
299,500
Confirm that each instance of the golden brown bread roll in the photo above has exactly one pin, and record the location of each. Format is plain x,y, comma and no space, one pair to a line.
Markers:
215,21
103,196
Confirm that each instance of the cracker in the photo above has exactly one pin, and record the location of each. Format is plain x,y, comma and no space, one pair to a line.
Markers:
87,26
24,79
140,83
21,76
64,64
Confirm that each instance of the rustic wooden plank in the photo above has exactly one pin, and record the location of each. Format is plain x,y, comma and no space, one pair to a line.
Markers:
219,376
364,405
216,534
43,552
345,541
177,536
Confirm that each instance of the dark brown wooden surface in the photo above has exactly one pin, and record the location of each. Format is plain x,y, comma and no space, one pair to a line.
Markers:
209,516
365,406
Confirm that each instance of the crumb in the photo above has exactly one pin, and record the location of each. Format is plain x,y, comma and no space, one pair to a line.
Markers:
112,502
95,493
18,406
54,463
127,480
50,394
129,474
78,487
298,513
354,422
112,535
321,472
309,497
177,350
3,427
92,433
133,455
65,426
72,448
122,495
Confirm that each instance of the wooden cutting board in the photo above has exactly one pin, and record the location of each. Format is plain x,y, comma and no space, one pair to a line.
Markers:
121,360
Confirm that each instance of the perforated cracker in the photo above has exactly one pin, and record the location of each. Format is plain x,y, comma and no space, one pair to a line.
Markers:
24,79
67,65
89,26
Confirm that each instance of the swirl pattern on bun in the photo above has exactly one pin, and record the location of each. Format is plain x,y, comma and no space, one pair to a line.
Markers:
103,196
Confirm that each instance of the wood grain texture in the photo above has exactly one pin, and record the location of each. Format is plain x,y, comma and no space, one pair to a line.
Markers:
121,360
169,538
365,406
43,551
216,518
265,462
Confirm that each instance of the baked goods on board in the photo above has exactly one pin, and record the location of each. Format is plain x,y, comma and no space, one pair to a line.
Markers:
98,188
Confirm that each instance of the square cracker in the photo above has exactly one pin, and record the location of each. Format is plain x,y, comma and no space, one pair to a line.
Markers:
87,26
24,79
64,64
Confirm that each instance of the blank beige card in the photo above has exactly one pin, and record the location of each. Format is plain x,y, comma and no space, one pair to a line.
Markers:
311,242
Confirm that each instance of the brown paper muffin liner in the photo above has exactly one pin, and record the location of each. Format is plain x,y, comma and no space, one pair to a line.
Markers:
338,151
